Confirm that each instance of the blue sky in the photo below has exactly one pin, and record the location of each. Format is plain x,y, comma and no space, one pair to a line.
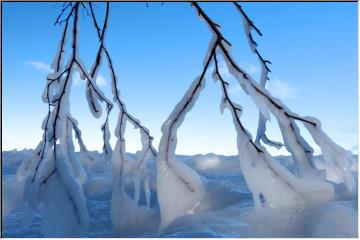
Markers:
159,50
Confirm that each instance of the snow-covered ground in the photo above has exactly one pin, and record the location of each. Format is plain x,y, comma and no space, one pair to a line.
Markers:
227,210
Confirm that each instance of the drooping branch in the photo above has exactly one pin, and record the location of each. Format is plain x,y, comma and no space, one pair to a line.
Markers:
57,156
261,154
294,142
172,174
248,26
119,154
56,65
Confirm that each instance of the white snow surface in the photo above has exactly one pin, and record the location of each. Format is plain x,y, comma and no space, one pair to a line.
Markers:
226,210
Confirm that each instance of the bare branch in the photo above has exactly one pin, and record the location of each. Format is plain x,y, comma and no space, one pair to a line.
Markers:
212,24
251,23
63,10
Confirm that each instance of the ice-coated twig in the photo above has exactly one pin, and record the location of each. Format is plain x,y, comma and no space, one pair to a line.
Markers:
248,20
169,128
243,72
248,26
57,66
120,200
63,10
73,62
235,108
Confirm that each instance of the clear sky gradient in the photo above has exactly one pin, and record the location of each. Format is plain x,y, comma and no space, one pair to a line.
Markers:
159,50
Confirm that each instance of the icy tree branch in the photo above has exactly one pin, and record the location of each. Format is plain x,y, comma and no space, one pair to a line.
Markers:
294,142
300,149
179,188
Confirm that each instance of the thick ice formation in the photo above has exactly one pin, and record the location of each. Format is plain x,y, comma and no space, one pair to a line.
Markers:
335,156
265,176
126,211
301,151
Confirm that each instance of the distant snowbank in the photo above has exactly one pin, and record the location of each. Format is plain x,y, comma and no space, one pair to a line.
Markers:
201,162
